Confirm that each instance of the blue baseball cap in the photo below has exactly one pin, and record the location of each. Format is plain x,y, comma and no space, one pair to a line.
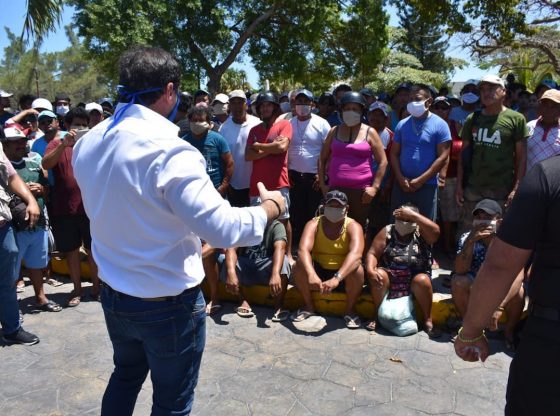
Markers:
46,113
304,92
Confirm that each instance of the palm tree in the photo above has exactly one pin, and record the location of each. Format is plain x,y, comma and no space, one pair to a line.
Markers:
41,17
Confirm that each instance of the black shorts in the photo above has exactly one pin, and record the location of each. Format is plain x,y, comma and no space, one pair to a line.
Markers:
70,232
325,274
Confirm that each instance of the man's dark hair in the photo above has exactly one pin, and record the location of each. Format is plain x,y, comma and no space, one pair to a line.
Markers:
516,86
76,112
62,96
411,206
342,87
26,100
524,92
201,109
144,68
422,87
185,102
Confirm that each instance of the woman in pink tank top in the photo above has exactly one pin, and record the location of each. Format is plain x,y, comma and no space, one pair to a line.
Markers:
348,156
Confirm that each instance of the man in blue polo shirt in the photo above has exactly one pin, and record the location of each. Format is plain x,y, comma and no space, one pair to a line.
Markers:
420,149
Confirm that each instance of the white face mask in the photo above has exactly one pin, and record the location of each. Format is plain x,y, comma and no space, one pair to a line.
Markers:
334,214
469,98
220,109
285,107
303,110
61,110
416,108
199,127
405,228
351,118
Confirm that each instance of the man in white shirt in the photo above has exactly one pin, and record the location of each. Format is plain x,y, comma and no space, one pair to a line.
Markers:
236,130
309,132
150,202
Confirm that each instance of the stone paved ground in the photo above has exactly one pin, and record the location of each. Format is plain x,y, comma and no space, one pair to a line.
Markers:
255,367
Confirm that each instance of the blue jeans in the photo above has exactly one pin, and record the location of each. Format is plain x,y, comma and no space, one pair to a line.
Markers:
9,308
165,337
424,198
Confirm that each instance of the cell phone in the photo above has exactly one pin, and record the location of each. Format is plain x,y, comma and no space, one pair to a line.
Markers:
493,224
80,133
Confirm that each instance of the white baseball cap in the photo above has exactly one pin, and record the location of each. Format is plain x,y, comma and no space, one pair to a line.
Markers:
237,94
13,134
94,106
493,79
5,94
222,98
42,103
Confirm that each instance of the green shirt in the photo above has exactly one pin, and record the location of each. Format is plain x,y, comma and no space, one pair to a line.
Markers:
493,157
274,232
29,170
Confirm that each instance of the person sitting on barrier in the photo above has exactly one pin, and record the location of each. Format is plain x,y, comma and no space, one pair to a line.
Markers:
262,264
329,257
398,264
471,253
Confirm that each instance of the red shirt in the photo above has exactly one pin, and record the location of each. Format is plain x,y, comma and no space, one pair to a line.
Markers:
455,151
271,170
66,198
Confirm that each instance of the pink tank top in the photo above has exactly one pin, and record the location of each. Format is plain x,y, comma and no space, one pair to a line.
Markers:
350,165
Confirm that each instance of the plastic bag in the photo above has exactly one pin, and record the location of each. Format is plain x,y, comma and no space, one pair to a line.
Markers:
397,316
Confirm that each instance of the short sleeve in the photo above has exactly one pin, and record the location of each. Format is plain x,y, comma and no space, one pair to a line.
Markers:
466,130
286,130
444,133
223,144
279,232
521,130
530,205
397,136
9,168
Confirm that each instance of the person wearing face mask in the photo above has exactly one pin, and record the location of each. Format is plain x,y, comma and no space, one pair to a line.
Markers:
62,105
151,201
419,152
329,258
471,252
309,132
220,109
470,102
398,263
348,152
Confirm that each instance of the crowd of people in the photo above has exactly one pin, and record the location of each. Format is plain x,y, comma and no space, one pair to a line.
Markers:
368,179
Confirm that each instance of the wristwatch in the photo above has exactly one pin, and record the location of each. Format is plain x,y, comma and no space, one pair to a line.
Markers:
338,276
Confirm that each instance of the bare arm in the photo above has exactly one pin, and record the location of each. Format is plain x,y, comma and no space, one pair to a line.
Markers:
51,159
278,146
379,156
429,230
356,249
306,244
19,187
232,282
376,251
520,166
436,166
227,160
394,157
463,260
324,158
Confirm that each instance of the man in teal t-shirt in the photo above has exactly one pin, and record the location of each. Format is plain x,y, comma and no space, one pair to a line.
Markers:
494,154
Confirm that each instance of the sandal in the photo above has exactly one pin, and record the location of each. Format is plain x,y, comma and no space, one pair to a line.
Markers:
245,312
352,322
301,315
281,315
74,300
371,325
50,306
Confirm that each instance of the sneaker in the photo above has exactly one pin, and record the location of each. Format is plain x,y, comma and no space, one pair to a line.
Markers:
21,337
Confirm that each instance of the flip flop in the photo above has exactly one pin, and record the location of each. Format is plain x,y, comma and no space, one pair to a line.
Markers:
245,312
281,315
371,325
50,306
74,300
352,322
301,315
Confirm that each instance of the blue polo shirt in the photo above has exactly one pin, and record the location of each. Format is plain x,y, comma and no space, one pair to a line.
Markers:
212,147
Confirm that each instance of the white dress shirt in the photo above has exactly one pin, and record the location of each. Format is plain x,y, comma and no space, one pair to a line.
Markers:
307,140
236,137
149,199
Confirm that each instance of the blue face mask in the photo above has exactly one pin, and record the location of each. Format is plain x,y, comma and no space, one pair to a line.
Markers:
133,97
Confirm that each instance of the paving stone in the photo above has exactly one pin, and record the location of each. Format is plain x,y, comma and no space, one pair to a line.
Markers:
299,410
341,374
224,406
386,368
441,346
358,356
32,379
354,337
392,341
34,402
325,398
373,393
218,366
238,348
303,364
262,385
480,382
389,409
258,361
425,364
469,405
429,395
81,395
273,406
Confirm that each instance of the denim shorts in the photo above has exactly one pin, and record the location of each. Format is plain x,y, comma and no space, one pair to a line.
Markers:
33,248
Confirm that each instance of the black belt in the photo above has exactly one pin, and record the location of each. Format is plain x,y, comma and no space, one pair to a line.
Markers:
158,299
305,175
544,312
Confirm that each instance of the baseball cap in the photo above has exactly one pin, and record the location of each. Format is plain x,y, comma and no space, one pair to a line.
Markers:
61,96
336,196
367,92
403,86
549,83
13,134
552,95
222,98
304,92
42,103
442,100
489,206
5,94
237,94
94,107
383,96
201,92
106,100
470,82
493,79
379,105
46,113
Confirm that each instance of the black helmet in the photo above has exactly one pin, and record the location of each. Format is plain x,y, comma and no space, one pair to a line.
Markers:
266,97
352,97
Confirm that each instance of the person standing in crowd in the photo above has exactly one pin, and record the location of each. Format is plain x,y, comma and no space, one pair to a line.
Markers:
530,229
10,182
62,104
326,107
494,153
400,99
48,123
32,242
369,96
220,109
235,131
5,103
267,147
348,153
544,140
420,150
447,179
202,96
469,103
335,118
181,118
309,132
71,227
95,114
138,180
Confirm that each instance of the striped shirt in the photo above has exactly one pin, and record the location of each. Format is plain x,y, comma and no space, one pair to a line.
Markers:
543,142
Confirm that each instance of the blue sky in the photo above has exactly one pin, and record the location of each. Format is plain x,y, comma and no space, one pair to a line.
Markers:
13,13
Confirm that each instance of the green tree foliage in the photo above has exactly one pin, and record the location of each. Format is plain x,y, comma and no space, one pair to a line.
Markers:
424,40
308,41
235,79
41,17
25,71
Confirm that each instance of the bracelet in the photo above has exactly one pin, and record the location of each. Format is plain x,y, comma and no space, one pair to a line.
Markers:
277,206
472,340
501,309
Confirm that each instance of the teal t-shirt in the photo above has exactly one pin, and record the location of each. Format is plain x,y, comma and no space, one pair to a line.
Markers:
212,147
29,170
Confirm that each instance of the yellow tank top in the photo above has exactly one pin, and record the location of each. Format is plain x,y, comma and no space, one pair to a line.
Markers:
330,254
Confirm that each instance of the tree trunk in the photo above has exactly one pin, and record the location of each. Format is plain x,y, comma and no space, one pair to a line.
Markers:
214,81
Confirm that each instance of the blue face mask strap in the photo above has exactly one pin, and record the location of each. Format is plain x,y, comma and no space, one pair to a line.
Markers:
132,98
